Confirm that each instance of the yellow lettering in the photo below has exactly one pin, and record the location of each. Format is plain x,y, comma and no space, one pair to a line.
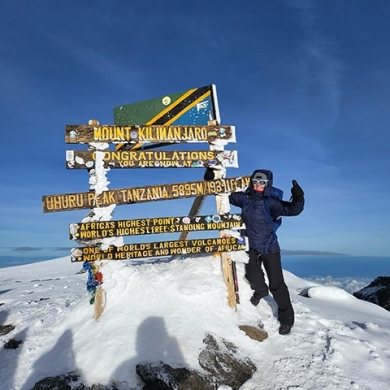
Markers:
177,133
119,132
162,133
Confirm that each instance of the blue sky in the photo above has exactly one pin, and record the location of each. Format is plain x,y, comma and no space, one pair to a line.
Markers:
306,83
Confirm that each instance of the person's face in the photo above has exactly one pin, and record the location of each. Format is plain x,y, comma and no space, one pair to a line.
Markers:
259,185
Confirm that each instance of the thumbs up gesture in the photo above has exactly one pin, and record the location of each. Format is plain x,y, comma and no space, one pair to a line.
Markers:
296,191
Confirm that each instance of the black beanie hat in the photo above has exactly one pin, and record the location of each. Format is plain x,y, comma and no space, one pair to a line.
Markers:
260,176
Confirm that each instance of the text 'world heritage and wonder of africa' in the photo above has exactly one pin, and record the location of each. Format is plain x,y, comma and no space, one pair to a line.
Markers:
165,248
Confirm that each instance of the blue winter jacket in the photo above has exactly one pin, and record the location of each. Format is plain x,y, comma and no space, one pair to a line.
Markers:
259,226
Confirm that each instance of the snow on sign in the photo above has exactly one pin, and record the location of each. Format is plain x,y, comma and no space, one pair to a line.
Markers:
164,248
133,227
86,200
152,159
134,134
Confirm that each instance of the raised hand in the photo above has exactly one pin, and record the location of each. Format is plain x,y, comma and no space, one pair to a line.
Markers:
296,190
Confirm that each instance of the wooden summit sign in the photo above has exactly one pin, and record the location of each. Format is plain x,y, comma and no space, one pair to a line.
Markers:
133,227
80,134
86,200
165,248
147,159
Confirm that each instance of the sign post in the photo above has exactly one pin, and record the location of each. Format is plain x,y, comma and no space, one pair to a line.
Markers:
228,266
98,182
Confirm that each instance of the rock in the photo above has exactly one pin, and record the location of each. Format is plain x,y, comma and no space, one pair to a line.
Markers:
63,382
4,329
254,333
221,364
220,359
161,376
377,292
69,381
12,344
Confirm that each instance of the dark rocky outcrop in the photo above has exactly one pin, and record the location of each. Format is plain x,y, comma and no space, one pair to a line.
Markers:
161,376
4,329
221,363
63,382
221,360
69,381
377,292
12,344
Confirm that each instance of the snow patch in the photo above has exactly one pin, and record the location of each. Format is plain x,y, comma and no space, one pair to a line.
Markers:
327,292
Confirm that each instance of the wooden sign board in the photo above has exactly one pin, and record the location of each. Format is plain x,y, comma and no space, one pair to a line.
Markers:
148,159
134,227
80,134
165,248
121,196
194,106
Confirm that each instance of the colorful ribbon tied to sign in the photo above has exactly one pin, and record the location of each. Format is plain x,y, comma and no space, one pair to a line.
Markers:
95,279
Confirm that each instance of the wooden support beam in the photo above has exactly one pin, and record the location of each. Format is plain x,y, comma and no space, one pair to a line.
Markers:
227,265
195,209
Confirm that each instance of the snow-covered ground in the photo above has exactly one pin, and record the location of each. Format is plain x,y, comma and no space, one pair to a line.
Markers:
162,311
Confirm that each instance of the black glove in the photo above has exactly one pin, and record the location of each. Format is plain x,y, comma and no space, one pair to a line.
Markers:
296,191
209,174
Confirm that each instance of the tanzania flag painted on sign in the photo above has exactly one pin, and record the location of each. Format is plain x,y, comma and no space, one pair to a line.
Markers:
193,107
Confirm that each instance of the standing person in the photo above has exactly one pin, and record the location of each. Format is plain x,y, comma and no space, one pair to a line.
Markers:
261,206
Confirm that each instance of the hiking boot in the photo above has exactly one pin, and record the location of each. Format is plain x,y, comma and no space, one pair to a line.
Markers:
285,329
255,300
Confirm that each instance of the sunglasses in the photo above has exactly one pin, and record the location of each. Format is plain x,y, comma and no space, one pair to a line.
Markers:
262,182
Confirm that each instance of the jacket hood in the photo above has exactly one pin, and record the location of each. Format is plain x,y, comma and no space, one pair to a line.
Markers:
267,189
269,175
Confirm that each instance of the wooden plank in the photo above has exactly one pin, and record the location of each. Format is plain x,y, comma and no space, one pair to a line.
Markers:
121,196
160,225
156,249
76,159
228,276
80,134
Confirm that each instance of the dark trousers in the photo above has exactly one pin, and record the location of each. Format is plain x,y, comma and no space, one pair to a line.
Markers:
273,266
